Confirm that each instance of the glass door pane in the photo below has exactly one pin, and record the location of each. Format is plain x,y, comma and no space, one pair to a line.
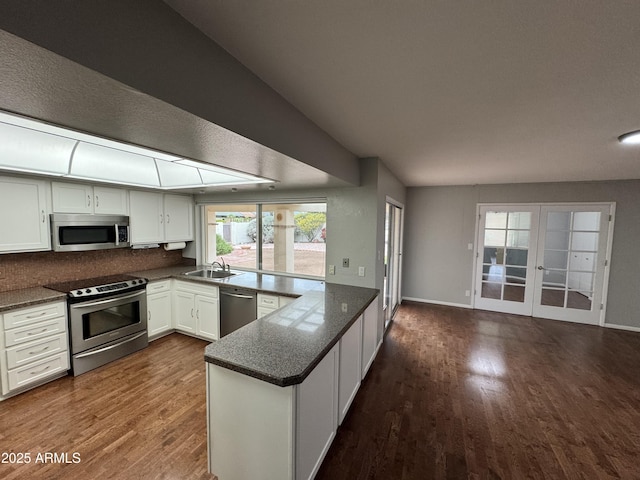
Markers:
571,262
504,260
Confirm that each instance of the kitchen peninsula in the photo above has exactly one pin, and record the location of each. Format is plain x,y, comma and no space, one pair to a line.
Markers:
278,388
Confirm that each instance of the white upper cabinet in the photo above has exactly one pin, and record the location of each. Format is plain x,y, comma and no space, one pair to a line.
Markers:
24,215
178,218
159,218
80,198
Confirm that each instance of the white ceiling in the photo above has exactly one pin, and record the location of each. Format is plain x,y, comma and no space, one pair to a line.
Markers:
451,92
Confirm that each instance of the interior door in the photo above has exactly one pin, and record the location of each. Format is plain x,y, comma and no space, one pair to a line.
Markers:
571,262
547,261
505,268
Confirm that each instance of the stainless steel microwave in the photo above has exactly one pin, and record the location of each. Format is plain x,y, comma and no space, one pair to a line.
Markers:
78,232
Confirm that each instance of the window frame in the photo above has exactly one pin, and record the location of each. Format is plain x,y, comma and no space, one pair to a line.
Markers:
258,204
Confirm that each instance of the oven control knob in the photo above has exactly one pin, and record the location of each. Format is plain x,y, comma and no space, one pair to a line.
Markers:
133,282
79,292
88,290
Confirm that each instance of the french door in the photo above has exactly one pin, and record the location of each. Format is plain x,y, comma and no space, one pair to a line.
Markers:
548,261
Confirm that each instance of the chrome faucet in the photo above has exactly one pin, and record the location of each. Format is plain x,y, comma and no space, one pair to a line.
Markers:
223,266
214,263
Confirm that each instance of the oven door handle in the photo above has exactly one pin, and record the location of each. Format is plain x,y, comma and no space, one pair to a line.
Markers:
104,349
108,300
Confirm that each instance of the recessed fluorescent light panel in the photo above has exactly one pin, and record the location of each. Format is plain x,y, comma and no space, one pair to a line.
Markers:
631,138
33,147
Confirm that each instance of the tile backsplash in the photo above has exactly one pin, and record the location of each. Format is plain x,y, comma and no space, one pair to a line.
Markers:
24,270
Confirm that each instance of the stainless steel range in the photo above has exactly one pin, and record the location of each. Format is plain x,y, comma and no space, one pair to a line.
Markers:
107,319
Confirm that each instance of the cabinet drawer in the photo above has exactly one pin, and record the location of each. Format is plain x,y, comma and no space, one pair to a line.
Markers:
30,315
158,287
268,301
35,331
32,373
196,288
30,352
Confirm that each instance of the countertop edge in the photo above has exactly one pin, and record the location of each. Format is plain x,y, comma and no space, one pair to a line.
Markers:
298,378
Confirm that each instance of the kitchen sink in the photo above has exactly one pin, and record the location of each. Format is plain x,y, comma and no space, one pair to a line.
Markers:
206,273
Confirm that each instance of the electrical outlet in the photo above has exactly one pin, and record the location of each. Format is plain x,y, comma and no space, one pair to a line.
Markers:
467,293
332,269
344,307
345,263
361,271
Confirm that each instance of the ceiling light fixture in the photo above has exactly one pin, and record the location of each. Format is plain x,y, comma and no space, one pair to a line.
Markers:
31,146
631,138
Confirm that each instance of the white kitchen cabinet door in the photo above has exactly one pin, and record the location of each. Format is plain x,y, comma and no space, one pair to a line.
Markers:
184,312
110,201
24,215
72,198
146,217
350,368
159,313
178,218
80,198
369,335
207,317
317,415
196,310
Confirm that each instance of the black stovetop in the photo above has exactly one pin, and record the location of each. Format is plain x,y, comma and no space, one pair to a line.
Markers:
74,285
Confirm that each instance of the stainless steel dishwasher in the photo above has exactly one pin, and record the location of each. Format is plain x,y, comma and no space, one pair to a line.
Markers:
237,308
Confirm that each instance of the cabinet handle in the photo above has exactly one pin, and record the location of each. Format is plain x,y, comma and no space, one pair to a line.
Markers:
161,219
149,315
198,314
192,313
36,316
97,201
42,216
168,218
88,200
39,351
36,333
35,372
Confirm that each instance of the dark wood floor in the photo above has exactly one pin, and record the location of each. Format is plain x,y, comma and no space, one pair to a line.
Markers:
458,394
453,394
141,417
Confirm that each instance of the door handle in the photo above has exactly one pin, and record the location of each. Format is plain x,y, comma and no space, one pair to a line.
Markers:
540,267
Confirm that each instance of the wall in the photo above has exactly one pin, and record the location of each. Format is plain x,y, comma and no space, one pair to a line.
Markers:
150,47
441,221
24,270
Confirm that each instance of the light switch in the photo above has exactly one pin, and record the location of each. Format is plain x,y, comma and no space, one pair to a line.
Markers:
361,271
332,269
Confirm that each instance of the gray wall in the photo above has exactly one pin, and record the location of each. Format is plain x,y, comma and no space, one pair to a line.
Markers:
148,46
440,222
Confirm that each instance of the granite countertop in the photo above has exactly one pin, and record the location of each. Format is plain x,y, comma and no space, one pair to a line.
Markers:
261,282
286,345
281,348
27,297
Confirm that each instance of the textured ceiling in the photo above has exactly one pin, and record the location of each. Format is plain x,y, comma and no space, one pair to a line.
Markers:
461,92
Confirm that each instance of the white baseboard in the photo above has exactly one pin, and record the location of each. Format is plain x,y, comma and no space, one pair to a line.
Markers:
436,302
621,327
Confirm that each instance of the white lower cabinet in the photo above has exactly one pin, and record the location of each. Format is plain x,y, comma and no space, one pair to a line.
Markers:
282,432
159,319
33,346
350,367
271,303
369,336
196,309
316,415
